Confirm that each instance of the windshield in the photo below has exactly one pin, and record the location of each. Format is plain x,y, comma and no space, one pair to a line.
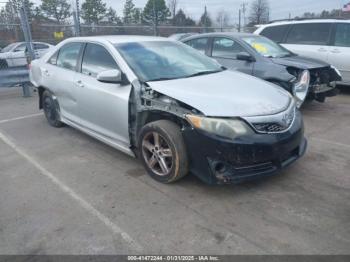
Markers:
8,48
163,60
266,47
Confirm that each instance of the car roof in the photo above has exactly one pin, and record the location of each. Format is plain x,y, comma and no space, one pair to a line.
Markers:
219,34
118,39
305,21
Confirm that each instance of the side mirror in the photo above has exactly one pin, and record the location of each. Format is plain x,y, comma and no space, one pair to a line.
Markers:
245,57
110,76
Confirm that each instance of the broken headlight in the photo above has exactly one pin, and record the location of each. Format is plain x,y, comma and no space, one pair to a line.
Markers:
301,88
226,128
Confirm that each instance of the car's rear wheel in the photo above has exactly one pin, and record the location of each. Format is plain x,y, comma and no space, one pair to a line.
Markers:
163,151
51,110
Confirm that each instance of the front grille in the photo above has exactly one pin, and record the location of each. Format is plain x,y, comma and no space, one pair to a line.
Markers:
269,127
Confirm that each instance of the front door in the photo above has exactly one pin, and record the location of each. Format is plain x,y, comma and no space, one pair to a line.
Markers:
18,56
103,107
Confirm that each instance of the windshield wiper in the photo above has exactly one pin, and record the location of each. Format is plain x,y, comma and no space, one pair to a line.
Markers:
204,73
162,79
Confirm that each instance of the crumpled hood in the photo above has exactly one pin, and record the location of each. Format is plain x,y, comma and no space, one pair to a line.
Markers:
226,94
300,62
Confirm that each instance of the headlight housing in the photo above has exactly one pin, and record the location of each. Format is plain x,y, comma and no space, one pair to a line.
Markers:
225,128
301,88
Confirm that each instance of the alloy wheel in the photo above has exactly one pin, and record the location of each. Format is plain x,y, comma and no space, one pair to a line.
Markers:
157,153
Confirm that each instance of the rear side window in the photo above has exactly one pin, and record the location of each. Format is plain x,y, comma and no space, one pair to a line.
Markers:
226,48
342,35
53,59
68,56
275,33
97,59
310,34
200,44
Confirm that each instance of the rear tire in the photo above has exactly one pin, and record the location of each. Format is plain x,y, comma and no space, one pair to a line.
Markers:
163,152
51,110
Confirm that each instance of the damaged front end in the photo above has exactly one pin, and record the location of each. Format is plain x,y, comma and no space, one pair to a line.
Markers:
147,105
218,157
321,82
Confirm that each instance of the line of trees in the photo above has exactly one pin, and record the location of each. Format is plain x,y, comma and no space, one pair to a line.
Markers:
155,12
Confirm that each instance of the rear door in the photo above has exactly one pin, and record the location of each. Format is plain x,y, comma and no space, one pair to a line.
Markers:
58,75
225,51
310,40
340,50
103,107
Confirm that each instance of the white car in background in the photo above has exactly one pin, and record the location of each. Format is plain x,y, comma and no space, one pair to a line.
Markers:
15,54
325,39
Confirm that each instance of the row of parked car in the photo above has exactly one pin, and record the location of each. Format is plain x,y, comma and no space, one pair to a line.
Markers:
178,109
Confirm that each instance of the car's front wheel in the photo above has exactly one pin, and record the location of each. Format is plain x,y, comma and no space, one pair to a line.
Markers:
3,64
50,110
162,151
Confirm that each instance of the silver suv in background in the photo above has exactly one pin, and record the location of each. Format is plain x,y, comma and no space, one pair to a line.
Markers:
325,39
176,109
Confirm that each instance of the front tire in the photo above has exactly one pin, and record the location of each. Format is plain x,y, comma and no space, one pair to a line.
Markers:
51,110
163,152
3,64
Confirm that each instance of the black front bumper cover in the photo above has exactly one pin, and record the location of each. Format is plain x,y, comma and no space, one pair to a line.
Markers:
218,161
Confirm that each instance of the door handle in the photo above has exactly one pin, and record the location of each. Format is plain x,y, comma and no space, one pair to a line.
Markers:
80,83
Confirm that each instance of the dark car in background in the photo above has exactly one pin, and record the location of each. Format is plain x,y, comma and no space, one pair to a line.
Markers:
258,56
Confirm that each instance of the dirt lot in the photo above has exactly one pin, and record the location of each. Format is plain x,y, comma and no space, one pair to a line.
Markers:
62,192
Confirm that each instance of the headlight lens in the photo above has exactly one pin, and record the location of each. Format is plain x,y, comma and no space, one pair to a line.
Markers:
226,128
301,88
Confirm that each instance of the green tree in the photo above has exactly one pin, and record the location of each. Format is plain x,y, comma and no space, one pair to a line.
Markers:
12,9
155,12
56,9
128,12
112,16
181,19
93,11
137,16
205,20
259,12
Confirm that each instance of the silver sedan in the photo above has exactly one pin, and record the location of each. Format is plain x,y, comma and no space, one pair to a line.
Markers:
176,109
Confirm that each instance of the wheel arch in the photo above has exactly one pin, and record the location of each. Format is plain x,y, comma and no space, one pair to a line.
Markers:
148,116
